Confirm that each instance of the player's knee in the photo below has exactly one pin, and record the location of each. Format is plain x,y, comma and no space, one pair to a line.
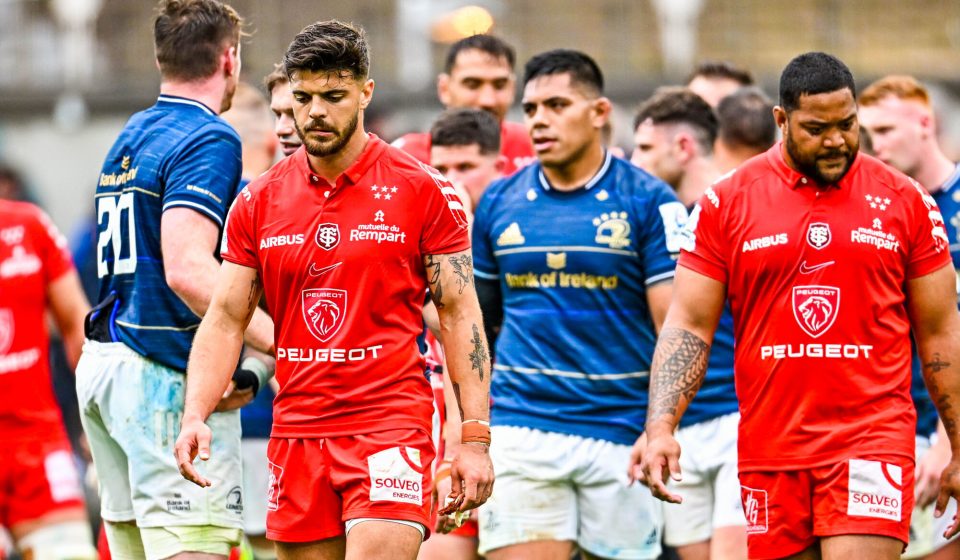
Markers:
68,540
164,542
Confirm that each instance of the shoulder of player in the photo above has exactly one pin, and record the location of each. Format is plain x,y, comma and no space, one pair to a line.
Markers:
875,173
403,167
413,143
514,186
631,181
22,212
276,175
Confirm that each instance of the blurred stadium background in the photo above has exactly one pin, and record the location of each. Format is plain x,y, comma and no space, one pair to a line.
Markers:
71,71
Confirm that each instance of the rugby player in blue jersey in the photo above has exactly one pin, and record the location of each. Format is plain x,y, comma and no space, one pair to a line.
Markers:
675,131
574,256
161,200
897,113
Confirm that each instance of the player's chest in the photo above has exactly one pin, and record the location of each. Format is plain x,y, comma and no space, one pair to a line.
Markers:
567,234
833,234
356,232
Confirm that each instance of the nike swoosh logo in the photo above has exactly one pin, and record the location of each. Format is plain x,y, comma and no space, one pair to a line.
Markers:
804,269
316,271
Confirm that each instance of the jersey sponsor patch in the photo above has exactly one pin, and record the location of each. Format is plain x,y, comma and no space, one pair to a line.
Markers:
393,477
324,310
273,486
755,509
675,219
62,477
875,490
816,308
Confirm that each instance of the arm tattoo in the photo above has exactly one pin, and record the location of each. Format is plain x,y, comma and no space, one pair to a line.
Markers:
253,297
463,268
433,273
679,363
456,391
937,365
479,357
947,414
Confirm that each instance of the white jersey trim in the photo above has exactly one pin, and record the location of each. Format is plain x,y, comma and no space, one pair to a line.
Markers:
195,206
156,328
485,275
607,158
660,277
567,248
573,374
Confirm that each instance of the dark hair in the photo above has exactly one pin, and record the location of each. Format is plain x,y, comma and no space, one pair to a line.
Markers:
274,78
494,46
746,119
582,69
464,127
189,36
679,105
722,69
813,73
329,46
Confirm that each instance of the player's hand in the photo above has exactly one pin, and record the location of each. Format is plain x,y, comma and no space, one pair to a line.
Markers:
234,398
928,473
949,487
471,478
446,522
661,459
194,440
634,470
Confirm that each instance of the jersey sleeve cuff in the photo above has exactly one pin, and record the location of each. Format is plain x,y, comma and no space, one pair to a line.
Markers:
206,211
455,247
701,265
249,263
925,266
485,275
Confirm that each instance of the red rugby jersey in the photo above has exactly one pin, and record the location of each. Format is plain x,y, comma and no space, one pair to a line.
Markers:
815,281
33,254
515,145
343,275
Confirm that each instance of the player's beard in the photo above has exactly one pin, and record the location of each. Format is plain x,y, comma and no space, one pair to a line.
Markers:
332,146
807,163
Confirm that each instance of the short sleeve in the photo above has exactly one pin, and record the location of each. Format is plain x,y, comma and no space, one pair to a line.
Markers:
52,247
444,221
204,174
239,242
659,221
929,244
484,262
705,248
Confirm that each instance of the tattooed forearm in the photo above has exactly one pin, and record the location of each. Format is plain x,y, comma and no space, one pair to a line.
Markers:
463,268
948,414
433,278
479,357
456,392
936,365
679,364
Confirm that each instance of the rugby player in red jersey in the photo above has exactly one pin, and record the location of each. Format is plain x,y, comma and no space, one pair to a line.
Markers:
343,238
41,499
479,75
828,258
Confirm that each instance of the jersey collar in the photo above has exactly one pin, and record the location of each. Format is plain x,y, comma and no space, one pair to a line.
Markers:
371,152
795,180
184,101
597,177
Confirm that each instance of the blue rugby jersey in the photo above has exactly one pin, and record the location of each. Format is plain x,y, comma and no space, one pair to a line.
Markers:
178,153
574,350
948,199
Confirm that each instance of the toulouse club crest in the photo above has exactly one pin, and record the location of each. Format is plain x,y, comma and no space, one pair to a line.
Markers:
324,310
6,330
816,308
328,235
818,235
